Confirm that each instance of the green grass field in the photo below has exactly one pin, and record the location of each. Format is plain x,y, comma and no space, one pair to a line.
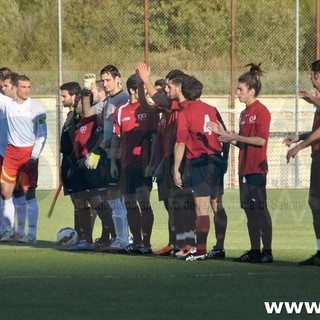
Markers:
40,282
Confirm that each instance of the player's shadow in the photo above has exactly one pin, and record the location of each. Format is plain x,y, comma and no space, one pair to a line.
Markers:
40,244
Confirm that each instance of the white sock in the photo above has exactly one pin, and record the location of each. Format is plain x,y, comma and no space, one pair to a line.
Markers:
119,217
318,244
33,213
21,214
8,214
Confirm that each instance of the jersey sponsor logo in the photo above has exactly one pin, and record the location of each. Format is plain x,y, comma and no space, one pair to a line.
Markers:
126,119
83,129
99,130
252,119
141,116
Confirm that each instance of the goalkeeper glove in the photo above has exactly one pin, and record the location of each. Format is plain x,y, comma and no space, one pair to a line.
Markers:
89,83
92,160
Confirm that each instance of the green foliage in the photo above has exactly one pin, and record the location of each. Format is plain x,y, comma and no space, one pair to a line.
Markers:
193,35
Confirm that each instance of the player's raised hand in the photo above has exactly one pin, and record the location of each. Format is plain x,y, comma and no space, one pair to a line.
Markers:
144,71
89,81
289,140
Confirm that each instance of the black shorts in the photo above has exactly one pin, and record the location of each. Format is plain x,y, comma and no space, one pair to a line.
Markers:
83,179
207,176
109,181
314,191
253,186
66,181
133,179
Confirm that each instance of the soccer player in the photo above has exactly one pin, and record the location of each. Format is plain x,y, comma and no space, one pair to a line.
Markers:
98,97
87,175
111,78
27,134
3,72
203,149
70,94
178,203
3,140
252,141
19,199
311,138
135,129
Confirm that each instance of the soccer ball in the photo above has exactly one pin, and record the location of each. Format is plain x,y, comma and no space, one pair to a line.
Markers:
67,236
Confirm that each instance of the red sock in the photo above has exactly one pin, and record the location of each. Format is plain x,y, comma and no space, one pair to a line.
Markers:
202,230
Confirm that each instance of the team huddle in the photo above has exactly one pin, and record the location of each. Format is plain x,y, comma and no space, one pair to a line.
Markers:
115,143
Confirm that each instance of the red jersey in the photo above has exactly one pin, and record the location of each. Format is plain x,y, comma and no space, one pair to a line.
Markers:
88,130
315,147
167,130
135,127
193,131
254,122
170,135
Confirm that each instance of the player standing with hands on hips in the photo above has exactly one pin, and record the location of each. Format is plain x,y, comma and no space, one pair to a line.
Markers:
311,138
252,142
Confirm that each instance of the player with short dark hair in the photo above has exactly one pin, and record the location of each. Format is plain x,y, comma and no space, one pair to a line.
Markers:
203,150
19,199
70,94
26,139
111,78
135,129
178,203
311,138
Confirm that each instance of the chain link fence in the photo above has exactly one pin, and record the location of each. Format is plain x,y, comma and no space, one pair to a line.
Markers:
194,36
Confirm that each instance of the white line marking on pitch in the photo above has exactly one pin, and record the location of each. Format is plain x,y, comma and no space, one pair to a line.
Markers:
140,276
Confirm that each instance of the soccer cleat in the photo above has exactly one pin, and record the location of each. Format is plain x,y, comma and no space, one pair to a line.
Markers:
115,247
28,238
185,251
165,251
102,243
82,245
248,256
131,248
192,251
194,257
144,249
138,249
216,254
264,257
16,237
6,235
312,261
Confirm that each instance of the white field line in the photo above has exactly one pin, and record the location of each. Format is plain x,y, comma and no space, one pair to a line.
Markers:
168,276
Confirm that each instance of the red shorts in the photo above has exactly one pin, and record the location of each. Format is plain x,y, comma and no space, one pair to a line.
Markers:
14,169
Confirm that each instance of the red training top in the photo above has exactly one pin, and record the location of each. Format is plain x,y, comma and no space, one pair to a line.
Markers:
193,130
88,131
254,122
134,126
